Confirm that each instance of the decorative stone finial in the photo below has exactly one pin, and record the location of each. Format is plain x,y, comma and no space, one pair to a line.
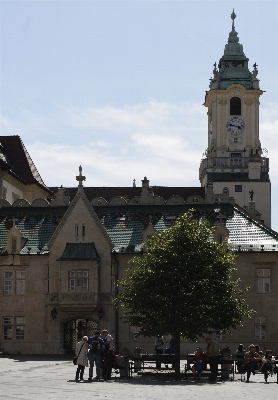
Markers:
134,184
80,178
233,16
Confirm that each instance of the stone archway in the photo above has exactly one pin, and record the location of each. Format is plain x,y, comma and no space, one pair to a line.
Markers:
75,329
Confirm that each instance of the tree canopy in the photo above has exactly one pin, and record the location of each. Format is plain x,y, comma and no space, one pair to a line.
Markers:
183,284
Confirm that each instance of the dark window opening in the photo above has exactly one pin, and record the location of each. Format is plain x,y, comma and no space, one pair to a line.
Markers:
238,188
235,155
235,106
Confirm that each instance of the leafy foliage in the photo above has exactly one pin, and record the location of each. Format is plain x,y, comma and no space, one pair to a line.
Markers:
183,284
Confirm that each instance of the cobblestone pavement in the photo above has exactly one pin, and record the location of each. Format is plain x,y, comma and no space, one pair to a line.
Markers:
35,377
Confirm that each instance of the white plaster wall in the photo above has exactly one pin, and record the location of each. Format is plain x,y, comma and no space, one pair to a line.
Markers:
262,196
11,189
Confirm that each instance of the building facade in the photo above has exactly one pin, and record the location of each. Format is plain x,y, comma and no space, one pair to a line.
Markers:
63,249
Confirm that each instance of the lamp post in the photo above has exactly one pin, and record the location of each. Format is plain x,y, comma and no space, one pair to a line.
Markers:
54,313
100,313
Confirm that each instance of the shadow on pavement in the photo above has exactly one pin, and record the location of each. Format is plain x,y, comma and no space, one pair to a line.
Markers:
37,357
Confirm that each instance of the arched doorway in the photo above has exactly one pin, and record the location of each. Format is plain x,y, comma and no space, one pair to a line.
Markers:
75,329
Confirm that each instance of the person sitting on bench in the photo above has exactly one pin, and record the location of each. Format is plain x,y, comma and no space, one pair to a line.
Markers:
199,363
251,360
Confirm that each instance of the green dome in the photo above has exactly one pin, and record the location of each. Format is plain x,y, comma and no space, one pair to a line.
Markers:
233,65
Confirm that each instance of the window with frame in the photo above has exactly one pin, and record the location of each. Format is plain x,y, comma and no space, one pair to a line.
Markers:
14,243
7,328
78,281
83,231
238,188
219,335
13,328
235,106
19,327
260,328
263,280
220,239
14,283
8,283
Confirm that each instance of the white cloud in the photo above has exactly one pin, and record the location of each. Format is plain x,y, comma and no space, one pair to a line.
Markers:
162,141
115,145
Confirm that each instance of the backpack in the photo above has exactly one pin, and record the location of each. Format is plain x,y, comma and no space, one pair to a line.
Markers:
95,346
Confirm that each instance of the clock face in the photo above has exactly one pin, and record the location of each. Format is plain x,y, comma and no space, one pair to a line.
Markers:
235,126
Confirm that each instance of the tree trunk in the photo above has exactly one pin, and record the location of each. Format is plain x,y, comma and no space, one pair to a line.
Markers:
177,353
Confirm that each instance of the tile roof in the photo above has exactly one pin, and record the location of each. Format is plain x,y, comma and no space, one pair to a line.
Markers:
125,226
37,225
19,161
246,234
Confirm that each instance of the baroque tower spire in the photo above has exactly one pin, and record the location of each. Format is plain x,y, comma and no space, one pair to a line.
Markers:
234,158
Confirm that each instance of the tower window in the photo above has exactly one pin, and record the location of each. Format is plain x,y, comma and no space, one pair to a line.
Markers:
235,106
238,188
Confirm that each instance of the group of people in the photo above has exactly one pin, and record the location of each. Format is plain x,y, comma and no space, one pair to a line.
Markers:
247,361
96,350
200,358
254,359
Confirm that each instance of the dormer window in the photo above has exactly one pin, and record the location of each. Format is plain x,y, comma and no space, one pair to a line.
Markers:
14,243
235,106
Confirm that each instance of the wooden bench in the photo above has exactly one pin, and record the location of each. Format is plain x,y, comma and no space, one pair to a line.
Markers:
165,363
158,362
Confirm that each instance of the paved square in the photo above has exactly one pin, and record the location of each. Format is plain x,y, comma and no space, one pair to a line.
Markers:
47,377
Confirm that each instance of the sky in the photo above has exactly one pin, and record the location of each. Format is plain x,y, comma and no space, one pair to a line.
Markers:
118,86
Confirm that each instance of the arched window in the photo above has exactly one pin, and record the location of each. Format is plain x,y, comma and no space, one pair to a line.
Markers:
235,106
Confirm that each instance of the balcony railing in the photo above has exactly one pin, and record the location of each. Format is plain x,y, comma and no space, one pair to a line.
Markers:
229,162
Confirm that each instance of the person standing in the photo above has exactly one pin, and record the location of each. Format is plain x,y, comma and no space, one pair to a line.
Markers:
240,358
81,351
159,348
159,344
108,354
213,355
96,346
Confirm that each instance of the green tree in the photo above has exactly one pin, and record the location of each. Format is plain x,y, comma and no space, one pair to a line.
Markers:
182,285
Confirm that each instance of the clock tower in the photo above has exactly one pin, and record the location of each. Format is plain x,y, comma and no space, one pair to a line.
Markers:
234,158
